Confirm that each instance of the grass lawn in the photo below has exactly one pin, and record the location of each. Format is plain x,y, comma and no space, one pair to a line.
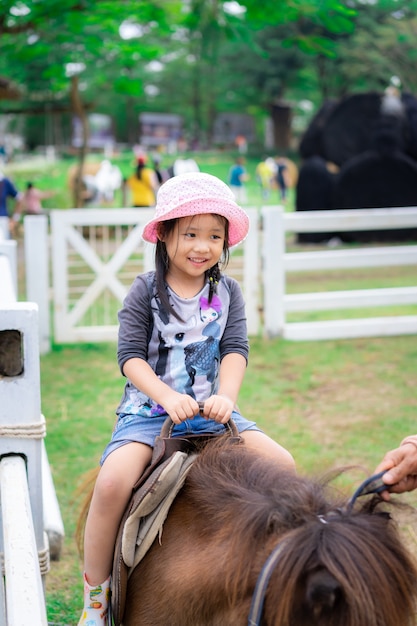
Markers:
332,404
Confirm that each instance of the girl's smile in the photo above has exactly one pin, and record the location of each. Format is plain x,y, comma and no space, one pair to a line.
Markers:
193,247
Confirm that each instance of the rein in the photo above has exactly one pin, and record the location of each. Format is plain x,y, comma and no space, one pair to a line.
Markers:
257,604
373,484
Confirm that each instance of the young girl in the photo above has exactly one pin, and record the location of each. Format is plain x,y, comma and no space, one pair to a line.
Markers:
182,339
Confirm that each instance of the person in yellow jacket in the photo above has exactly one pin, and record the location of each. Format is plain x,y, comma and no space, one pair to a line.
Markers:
143,185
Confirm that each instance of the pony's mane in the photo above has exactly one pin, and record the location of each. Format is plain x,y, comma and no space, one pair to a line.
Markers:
229,479
234,488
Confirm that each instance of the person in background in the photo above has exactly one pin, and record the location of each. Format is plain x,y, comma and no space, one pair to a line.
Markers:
32,200
107,181
401,467
242,144
143,185
282,177
237,180
3,154
30,204
264,176
8,190
156,160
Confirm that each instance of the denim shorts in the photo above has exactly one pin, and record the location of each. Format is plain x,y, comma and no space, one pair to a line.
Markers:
134,428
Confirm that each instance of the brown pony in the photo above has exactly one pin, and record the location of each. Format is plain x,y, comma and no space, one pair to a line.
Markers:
334,564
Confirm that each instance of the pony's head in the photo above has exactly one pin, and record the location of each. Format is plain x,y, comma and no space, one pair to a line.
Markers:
336,564
343,569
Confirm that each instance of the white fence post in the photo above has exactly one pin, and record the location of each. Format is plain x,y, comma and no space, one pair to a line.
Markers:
4,228
22,426
26,486
251,285
22,429
37,273
8,270
149,257
273,270
25,600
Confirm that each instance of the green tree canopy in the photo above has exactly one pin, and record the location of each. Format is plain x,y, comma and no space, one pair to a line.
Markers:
197,57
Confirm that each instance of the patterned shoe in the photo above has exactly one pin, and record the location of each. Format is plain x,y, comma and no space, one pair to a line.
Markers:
96,604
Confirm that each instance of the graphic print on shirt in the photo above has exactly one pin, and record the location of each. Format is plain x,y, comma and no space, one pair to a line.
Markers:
171,335
185,355
189,350
201,357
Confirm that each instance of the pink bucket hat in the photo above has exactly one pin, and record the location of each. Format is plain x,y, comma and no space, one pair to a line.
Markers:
195,193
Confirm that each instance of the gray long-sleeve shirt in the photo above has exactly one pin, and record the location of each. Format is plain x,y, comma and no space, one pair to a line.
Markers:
185,355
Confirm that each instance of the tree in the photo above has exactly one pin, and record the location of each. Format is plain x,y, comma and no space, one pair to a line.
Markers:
212,55
86,34
66,48
392,28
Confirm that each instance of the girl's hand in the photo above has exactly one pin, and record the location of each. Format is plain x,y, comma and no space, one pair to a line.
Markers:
218,408
180,407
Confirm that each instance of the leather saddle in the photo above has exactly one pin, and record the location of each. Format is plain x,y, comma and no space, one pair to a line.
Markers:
148,507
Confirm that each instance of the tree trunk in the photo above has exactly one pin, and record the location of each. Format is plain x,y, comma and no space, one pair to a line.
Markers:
281,119
196,108
132,133
79,111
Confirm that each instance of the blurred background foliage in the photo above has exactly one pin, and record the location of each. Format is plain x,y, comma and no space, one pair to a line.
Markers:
195,58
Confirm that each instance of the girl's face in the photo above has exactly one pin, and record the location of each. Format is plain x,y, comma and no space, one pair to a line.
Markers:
195,244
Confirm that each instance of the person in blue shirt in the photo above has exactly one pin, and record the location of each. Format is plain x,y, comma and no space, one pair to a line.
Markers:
8,190
237,179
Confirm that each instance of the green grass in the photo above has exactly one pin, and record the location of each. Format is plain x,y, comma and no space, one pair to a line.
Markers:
330,403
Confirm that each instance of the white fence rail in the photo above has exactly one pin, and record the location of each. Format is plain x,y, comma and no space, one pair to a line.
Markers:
278,263
92,274
26,487
36,251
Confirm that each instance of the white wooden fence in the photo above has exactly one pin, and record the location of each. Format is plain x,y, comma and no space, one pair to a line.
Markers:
96,253
92,273
278,263
25,481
